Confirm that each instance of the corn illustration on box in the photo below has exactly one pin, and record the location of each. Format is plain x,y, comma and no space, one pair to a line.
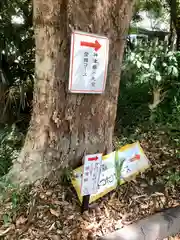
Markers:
117,168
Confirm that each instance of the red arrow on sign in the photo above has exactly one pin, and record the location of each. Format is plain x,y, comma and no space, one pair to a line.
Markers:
95,45
93,159
135,158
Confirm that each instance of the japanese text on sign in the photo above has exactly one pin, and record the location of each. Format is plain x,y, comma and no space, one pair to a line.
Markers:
91,173
88,65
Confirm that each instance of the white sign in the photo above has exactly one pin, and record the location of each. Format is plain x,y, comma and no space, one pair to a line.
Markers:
91,174
88,63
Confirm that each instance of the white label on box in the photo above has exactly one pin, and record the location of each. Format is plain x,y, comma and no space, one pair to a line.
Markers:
91,174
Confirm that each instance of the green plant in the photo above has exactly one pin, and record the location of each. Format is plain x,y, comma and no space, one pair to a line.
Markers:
7,219
16,60
10,143
66,176
172,178
18,198
150,86
118,165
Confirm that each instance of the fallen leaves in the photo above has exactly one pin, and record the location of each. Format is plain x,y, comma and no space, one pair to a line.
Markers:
49,193
20,221
6,231
56,213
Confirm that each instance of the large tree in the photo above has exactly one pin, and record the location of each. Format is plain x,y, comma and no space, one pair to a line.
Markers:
65,126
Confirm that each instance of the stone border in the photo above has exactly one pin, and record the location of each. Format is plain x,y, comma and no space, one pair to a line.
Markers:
159,226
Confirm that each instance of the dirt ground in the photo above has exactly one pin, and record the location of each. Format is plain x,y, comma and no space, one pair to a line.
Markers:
51,211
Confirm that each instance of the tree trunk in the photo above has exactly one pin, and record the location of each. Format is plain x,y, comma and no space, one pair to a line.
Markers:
178,32
64,126
171,36
175,16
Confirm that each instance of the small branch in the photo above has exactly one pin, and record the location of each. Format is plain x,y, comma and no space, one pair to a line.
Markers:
158,97
3,233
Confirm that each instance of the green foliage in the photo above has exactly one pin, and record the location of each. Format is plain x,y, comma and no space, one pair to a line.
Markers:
66,175
16,76
172,178
16,58
118,165
150,86
7,219
10,142
157,66
156,8
16,196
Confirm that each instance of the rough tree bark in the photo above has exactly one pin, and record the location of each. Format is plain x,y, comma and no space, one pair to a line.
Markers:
178,32
176,9
170,2
63,125
175,16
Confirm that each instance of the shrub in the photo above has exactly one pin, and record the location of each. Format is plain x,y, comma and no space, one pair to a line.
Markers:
10,143
150,86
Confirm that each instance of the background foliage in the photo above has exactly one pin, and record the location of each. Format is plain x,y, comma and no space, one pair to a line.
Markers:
150,86
16,60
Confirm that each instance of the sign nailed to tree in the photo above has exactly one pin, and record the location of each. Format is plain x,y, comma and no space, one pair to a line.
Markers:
88,63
